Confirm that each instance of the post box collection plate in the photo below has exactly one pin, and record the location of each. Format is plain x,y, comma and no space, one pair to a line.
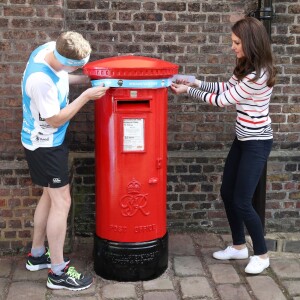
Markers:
133,135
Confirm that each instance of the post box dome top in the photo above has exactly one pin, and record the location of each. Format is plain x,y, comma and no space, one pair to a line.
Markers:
130,67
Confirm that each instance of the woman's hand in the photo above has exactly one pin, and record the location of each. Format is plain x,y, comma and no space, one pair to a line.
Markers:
178,88
195,83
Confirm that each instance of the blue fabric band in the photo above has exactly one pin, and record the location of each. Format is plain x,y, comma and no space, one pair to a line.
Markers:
134,83
70,62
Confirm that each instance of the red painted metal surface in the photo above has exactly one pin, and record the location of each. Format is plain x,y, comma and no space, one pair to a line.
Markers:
130,67
131,154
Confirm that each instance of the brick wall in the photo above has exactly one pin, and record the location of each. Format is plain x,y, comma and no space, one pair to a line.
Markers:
193,34
193,192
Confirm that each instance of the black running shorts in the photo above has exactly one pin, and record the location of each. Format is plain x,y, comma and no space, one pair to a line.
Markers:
49,166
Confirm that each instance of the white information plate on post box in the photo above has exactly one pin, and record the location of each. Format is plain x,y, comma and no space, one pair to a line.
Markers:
133,135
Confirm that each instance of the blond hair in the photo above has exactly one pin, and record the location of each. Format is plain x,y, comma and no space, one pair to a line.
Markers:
72,45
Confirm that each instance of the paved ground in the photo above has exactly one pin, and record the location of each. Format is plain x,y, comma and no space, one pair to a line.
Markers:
192,274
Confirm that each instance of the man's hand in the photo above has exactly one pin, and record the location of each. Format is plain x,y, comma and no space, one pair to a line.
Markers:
94,93
70,110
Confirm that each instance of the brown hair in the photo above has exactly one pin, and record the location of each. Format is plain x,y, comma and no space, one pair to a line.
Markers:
72,45
257,50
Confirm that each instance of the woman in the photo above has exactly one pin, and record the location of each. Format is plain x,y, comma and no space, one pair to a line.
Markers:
249,89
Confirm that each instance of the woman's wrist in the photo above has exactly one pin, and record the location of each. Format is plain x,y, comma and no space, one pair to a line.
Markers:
197,83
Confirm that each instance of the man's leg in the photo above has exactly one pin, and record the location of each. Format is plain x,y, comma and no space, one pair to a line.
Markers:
57,221
61,275
38,258
40,220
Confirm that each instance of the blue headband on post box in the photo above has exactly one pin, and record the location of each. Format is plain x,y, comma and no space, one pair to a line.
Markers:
70,62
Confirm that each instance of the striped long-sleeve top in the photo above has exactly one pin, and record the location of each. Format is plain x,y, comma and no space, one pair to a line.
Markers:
251,99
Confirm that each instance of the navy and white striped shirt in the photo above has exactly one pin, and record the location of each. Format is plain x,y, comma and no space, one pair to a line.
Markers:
251,99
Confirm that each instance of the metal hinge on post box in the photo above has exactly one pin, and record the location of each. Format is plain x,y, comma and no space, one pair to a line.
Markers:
158,163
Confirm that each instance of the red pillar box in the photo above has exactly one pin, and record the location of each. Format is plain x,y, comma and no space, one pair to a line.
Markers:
131,241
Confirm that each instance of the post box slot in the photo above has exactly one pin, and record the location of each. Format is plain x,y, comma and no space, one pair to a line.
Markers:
135,105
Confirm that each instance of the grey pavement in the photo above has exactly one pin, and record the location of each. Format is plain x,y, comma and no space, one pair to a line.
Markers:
192,274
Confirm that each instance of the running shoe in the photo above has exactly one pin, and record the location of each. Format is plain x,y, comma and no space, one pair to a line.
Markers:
231,253
70,279
41,262
256,264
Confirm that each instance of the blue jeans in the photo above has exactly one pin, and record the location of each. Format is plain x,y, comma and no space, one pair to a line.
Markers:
243,168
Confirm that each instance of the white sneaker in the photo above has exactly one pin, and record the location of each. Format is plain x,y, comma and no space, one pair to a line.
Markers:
231,253
256,264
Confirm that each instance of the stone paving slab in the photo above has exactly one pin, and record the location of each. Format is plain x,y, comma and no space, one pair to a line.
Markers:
265,288
192,274
233,292
4,284
158,284
24,291
222,273
196,287
5,269
286,268
119,291
160,296
187,266
181,244
292,286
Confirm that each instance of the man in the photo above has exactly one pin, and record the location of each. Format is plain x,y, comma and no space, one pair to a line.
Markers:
46,115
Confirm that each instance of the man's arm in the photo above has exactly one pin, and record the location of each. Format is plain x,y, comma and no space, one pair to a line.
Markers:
79,79
68,112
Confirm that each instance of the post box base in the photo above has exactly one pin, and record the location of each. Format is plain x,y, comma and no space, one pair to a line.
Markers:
130,261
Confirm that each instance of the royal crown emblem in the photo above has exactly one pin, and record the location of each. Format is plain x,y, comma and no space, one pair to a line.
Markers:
134,200
134,187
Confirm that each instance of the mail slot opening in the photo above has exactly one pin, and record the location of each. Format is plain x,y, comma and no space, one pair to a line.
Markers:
133,105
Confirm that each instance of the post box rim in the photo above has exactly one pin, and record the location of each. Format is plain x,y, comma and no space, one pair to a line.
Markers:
130,67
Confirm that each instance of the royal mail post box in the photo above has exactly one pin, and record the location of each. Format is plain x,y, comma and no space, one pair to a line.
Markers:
131,240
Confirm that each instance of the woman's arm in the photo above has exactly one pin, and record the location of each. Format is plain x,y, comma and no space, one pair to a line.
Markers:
240,92
212,87
217,87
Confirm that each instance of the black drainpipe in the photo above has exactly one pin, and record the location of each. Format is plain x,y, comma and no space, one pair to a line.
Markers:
265,15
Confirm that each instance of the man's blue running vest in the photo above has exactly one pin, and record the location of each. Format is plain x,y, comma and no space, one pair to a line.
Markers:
32,134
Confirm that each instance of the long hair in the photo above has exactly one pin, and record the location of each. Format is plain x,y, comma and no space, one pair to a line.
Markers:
257,50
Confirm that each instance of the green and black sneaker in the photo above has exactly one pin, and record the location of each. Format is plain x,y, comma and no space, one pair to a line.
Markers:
41,262
70,279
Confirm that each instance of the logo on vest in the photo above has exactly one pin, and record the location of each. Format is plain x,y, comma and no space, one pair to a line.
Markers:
40,118
56,180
